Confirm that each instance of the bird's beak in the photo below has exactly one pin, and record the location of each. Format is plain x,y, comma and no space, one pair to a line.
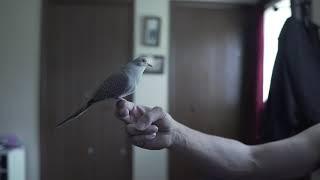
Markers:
149,65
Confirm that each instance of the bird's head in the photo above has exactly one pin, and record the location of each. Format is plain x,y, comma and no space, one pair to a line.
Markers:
141,61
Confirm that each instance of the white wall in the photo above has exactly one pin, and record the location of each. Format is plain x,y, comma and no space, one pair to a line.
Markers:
153,90
19,75
276,20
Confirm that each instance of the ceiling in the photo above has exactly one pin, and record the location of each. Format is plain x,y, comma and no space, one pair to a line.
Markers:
222,1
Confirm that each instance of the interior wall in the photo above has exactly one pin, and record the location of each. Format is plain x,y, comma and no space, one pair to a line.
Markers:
315,11
153,89
19,76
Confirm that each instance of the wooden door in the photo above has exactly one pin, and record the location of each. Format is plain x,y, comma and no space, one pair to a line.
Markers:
205,75
83,44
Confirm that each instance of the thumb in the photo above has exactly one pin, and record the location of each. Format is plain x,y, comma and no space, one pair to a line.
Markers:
148,118
122,110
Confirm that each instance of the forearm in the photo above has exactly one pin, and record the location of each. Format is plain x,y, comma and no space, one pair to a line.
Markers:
289,158
230,159
219,157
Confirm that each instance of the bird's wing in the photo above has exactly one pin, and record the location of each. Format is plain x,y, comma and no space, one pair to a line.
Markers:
114,86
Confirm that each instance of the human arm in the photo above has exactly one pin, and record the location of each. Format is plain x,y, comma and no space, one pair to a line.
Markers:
221,157
230,159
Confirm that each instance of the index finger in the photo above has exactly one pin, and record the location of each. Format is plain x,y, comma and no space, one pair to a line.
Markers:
122,103
122,111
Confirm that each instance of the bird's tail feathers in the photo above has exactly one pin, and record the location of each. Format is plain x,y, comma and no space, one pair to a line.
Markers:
75,115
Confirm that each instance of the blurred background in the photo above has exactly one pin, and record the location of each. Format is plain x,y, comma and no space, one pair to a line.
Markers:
210,62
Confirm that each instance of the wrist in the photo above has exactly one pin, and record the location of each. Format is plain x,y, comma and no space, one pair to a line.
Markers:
177,136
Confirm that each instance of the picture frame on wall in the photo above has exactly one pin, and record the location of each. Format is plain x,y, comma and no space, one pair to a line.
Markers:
151,31
157,63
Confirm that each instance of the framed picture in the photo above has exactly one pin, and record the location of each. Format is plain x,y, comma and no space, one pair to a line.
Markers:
151,31
157,63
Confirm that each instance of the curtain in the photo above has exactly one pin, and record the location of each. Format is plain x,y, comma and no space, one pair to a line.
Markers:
259,74
252,90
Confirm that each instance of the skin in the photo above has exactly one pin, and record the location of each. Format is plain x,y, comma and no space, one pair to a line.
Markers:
152,128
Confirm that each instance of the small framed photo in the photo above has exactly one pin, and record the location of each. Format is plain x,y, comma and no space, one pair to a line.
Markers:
157,63
151,31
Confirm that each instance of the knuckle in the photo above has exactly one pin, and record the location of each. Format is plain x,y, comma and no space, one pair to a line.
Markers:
150,131
161,113
157,109
166,116
153,129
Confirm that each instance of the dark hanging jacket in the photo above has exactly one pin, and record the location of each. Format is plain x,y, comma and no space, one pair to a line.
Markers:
294,98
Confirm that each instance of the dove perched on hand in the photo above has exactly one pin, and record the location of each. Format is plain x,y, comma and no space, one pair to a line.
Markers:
117,85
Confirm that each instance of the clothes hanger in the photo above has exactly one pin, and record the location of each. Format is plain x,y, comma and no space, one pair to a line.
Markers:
301,10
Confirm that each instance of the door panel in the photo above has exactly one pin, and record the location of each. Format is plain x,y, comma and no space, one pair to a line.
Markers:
83,45
205,75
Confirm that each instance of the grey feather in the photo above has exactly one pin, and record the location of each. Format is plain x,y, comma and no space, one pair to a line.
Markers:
117,85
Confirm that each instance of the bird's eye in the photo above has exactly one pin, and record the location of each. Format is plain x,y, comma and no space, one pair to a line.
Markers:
144,60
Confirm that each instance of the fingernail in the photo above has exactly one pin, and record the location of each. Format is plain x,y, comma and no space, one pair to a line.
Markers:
151,136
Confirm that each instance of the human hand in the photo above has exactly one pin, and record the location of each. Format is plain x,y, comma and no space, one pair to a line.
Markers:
149,128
